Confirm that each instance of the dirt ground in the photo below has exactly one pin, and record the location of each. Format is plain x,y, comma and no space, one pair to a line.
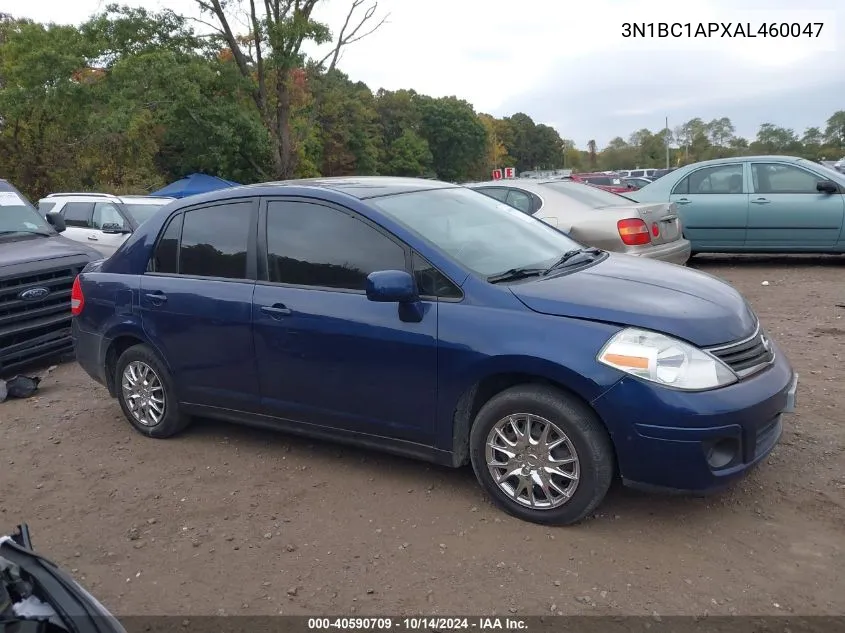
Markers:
231,520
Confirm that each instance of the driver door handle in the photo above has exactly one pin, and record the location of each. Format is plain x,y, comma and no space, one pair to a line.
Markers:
760,201
93,238
156,298
683,201
276,310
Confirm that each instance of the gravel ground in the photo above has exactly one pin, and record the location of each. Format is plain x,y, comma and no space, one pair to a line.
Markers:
230,520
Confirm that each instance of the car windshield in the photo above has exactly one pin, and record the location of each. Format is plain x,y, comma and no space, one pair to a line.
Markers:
143,212
479,232
18,216
824,170
589,196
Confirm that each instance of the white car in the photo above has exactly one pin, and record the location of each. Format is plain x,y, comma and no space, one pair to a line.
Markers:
100,219
840,165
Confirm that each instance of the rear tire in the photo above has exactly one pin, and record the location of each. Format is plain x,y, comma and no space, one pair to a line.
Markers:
542,455
146,394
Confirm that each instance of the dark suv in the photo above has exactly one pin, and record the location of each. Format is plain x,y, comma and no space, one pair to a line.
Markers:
37,269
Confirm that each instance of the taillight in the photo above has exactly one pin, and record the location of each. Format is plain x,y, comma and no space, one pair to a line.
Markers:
77,300
633,232
655,229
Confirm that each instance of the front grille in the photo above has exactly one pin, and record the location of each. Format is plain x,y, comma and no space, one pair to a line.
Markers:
30,330
748,356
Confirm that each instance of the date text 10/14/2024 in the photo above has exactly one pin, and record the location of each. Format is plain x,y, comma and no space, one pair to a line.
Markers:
418,623
775,30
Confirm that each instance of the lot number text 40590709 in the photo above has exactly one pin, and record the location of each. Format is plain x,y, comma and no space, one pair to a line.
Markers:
420,623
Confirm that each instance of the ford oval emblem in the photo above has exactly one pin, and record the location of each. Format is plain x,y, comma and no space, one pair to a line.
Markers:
33,294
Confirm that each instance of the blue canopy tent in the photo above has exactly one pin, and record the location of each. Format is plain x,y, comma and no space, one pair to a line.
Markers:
194,184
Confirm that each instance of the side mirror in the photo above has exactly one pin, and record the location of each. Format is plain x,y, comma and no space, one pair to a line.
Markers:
113,228
827,186
57,221
391,286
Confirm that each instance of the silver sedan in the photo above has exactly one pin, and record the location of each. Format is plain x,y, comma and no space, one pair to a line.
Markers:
596,217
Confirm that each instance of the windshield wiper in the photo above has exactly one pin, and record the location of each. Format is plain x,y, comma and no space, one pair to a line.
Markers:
516,273
27,232
569,258
588,254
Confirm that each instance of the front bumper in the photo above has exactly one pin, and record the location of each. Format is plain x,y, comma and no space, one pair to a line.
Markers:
666,439
676,252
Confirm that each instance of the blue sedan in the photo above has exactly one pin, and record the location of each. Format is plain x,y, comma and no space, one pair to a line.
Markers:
433,321
756,204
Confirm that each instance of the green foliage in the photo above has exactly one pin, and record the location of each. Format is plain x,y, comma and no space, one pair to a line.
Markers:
456,138
346,115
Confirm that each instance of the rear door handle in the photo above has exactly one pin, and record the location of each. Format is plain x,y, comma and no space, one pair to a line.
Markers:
683,201
760,201
156,298
93,238
276,310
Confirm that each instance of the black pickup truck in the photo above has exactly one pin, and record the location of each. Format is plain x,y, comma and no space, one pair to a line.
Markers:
37,269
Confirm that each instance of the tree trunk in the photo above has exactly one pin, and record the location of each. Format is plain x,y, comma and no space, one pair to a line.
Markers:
287,157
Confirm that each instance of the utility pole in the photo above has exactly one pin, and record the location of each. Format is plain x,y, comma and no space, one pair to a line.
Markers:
666,140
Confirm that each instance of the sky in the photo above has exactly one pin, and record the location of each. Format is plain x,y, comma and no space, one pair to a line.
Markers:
567,64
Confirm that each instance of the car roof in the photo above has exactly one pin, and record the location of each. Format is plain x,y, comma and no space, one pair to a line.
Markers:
75,196
361,187
742,159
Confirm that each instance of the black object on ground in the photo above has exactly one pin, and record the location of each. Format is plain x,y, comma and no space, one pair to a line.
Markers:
19,387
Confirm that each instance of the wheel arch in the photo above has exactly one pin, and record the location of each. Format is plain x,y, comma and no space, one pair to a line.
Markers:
118,341
503,375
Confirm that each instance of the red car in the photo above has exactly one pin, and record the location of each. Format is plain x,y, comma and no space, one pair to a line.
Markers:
608,182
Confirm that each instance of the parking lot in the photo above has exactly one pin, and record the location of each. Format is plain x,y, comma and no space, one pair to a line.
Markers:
230,520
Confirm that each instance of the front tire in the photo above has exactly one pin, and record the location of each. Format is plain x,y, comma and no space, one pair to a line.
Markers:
541,454
146,394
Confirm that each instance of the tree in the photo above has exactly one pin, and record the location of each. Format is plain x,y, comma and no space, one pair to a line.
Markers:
835,130
44,107
592,150
162,77
455,136
533,146
772,139
409,155
720,131
274,49
547,147
348,120
496,154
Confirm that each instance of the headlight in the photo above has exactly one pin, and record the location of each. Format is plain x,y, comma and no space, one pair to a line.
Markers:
665,360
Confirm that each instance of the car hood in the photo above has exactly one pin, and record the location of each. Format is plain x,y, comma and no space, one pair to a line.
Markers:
628,290
42,248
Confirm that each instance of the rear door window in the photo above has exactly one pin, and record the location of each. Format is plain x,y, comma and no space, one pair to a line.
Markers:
166,256
215,240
